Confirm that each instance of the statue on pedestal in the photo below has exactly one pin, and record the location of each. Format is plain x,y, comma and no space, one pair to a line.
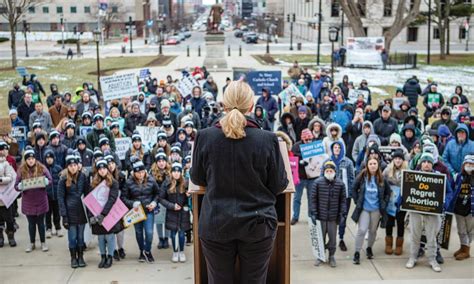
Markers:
215,18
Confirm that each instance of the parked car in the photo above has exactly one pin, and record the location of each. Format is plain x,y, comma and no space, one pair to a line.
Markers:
187,32
174,40
238,33
251,38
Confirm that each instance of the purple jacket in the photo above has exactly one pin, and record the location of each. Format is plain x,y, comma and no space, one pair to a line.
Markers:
34,201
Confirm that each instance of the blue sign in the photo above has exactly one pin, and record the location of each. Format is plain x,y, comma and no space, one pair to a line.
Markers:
259,80
312,149
22,71
84,130
149,23
103,6
144,73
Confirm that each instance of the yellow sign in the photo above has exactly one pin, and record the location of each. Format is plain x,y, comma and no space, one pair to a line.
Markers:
135,215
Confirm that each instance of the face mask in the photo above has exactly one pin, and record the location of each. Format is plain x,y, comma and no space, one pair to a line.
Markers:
189,108
469,169
330,176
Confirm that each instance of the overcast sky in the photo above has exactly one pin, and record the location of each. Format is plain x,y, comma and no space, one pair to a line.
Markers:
209,2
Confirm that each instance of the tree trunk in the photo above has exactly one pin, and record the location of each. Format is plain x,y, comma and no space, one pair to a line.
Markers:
441,30
353,16
13,45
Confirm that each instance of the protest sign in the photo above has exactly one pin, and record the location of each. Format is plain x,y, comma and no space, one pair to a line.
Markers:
186,84
317,240
118,86
30,183
397,102
290,91
135,215
387,152
423,192
122,145
294,169
345,181
19,133
22,71
84,130
8,194
286,161
354,94
259,80
240,73
144,73
5,125
149,135
456,110
115,214
394,199
445,232
314,154
364,51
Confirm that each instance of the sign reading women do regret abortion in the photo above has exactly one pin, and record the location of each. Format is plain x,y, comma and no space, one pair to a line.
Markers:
423,192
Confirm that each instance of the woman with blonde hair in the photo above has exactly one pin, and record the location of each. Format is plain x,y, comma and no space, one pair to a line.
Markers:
114,115
243,177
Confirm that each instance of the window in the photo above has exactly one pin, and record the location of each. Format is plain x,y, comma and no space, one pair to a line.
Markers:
59,9
387,8
462,33
335,8
412,34
87,9
73,9
384,30
362,5
31,10
435,33
366,31
114,9
412,4
45,10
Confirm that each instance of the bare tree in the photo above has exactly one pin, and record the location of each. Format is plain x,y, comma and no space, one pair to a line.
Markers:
113,15
404,16
12,11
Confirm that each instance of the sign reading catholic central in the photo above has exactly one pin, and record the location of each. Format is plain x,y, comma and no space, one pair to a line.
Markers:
423,192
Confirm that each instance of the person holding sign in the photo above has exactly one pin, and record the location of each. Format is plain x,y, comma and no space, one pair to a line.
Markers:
32,179
7,177
72,186
141,190
371,194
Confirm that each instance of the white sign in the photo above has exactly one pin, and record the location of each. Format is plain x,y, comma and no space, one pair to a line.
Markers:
290,91
364,51
397,102
149,135
354,94
317,240
122,145
186,84
118,86
8,194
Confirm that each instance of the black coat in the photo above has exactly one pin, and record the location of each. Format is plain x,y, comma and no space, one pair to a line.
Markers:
52,188
132,121
145,193
352,132
176,220
24,111
14,98
242,179
328,199
385,128
70,202
412,90
358,194
128,164
70,143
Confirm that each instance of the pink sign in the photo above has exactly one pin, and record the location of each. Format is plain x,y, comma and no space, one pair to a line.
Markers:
116,213
294,169
8,194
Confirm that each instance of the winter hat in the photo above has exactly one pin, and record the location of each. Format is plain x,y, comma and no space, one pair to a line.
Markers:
386,108
189,123
101,164
29,153
329,165
165,103
151,117
398,153
167,123
373,138
413,110
176,167
426,157
137,164
97,117
395,137
374,149
306,134
53,134
71,158
161,135
70,124
49,154
3,145
188,158
160,156
176,148
80,140
302,109
37,124
468,159
39,136
103,140
109,158
136,136
98,153
86,115
114,124
180,130
432,149
78,157
13,111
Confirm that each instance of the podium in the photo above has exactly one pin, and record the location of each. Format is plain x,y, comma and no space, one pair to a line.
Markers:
279,267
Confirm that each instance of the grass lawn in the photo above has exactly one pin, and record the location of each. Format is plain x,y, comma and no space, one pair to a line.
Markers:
69,74
451,60
303,59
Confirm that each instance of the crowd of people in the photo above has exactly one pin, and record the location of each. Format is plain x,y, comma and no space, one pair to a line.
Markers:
70,143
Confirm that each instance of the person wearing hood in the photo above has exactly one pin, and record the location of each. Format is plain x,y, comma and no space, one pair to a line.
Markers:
305,181
211,86
94,94
197,101
364,87
446,120
454,100
189,114
302,120
345,173
7,177
333,134
412,90
402,113
134,119
317,128
462,206
52,216
361,140
408,136
269,104
396,141
353,130
59,150
344,86
445,136
287,126
326,202
415,122
385,125
83,152
260,116
342,113
457,149
93,136
326,107
52,96
432,102
182,139
463,98
35,86
14,96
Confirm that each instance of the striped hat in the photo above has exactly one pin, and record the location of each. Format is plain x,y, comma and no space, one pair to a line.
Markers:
37,124
162,135
98,153
29,153
426,157
98,116
86,115
114,124
136,136
176,148
189,123
70,124
71,159
160,156
109,158
188,158
176,167
3,145
101,164
54,134
469,159
103,140
137,165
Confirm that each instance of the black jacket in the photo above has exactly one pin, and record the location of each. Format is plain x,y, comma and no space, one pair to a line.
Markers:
132,121
24,111
145,193
385,128
358,194
52,188
70,202
242,179
128,164
327,199
176,220
412,90
14,98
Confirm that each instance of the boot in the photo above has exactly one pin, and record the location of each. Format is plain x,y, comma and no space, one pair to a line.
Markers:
108,262
458,251
464,254
11,239
161,243
356,259
389,245
73,253
116,255
2,240
102,261
399,246
122,253
80,257
166,243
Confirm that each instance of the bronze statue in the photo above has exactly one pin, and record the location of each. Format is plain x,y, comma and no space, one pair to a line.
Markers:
214,20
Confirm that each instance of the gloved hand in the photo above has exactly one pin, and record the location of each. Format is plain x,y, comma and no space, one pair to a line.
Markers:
20,186
136,204
93,220
100,219
313,219
65,224
303,163
46,181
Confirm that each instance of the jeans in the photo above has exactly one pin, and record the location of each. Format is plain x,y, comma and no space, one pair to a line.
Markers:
75,235
400,220
144,232
33,223
342,224
304,183
162,231
107,241
180,238
53,215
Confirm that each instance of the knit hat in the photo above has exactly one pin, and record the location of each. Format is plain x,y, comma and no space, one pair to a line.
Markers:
398,153
161,135
176,148
49,154
395,137
329,165
53,134
37,124
136,136
98,153
373,138
189,123
101,164
468,159
71,158
103,140
70,124
180,130
39,136
176,167
29,153
151,117
167,123
109,158
374,149
386,108
306,134
426,157
81,140
86,115
13,111
114,124
137,164
413,110
188,158
302,109
165,103
160,156
97,117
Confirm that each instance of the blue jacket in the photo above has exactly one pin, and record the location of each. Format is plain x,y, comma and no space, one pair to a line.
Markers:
454,152
315,89
270,105
342,162
457,189
52,188
341,116
198,104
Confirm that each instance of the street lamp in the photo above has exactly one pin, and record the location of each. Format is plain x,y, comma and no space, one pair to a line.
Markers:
130,23
291,19
320,18
97,36
26,29
428,56
160,30
333,37
268,22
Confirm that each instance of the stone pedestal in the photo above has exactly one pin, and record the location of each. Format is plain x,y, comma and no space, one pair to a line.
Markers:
215,51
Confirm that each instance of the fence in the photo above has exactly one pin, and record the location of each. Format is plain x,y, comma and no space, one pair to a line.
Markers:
402,61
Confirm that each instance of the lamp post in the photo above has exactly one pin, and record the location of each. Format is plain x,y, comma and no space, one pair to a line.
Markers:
333,37
130,23
62,32
268,23
26,29
160,36
291,19
97,36
320,17
428,56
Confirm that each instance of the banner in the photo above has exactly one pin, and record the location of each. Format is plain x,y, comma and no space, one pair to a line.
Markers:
30,183
286,161
354,94
387,152
317,240
445,232
149,135
22,71
8,194
345,181
270,80
118,86
394,199
186,84
423,192
290,91
5,125
115,214
364,51
294,169
314,154
19,133
135,215
122,145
